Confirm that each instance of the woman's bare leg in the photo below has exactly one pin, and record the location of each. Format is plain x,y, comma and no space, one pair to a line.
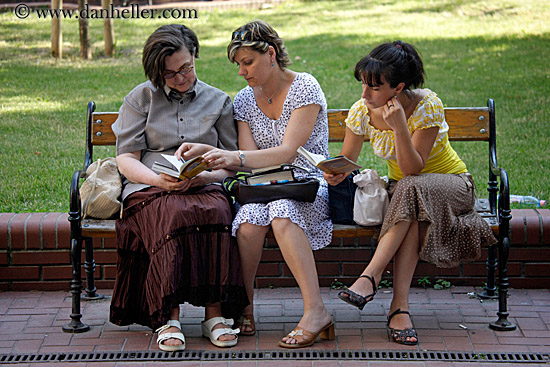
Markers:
251,239
405,262
385,251
298,255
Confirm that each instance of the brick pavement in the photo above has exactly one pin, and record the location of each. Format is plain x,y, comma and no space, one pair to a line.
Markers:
446,320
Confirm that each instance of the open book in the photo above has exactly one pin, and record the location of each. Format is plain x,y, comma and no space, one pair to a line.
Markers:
334,165
179,168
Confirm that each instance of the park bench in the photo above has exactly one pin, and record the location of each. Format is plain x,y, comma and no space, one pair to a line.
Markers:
465,124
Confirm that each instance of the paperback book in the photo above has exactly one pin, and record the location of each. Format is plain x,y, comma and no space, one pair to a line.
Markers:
333,165
180,168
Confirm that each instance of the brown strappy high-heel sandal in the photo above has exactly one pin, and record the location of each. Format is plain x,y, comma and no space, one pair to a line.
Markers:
358,300
400,336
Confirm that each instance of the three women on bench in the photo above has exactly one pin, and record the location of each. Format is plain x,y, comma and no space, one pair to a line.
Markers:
430,217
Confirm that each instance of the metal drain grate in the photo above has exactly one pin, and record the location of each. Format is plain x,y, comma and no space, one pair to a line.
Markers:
373,355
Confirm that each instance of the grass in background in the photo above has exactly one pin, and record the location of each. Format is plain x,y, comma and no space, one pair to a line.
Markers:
472,50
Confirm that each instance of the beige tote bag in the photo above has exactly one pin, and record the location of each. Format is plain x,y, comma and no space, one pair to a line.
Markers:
371,198
100,192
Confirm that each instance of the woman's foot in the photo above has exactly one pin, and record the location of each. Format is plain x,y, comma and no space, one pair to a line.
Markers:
401,329
246,325
218,330
213,310
170,338
312,323
361,292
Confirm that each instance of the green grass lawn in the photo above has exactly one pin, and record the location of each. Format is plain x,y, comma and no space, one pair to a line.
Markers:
472,50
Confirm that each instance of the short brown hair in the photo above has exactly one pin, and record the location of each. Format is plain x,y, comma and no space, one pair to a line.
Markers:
258,35
165,41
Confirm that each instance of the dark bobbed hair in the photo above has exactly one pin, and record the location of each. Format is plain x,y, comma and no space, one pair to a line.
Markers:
258,35
397,61
165,41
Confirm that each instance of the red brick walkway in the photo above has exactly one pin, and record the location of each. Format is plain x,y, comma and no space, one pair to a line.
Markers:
447,321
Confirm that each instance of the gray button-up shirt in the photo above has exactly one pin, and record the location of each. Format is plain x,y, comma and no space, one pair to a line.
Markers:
156,121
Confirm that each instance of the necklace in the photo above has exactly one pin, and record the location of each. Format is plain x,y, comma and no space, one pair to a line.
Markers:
269,99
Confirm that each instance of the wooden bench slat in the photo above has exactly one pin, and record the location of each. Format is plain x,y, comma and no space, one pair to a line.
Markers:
106,227
102,134
98,228
468,123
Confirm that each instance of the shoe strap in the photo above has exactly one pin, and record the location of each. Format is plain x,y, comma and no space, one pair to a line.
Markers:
397,312
166,336
245,321
209,324
374,287
216,333
169,324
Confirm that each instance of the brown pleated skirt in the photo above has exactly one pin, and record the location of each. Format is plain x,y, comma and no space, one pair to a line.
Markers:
175,247
450,230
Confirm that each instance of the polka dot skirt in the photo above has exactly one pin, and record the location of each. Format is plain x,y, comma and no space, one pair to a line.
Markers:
450,230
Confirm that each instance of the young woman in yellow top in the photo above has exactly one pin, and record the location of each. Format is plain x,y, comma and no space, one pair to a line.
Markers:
431,214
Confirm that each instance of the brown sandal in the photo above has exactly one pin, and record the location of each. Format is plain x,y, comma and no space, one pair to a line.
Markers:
356,299
402,336
306,338
246,320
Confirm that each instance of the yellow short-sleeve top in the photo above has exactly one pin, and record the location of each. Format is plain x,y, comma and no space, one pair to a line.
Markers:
428,113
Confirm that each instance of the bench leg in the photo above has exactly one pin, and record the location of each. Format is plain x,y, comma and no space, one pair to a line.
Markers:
491,266
76,326
502,324
89,268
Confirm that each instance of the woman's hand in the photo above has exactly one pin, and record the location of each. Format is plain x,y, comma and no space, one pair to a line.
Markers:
220,158
168,182
394,114
192,150
334,180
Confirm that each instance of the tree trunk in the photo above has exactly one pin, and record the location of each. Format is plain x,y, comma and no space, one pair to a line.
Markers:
108,30
85,50
57,34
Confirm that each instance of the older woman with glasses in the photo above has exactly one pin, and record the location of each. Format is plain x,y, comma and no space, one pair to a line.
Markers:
174,237
279,111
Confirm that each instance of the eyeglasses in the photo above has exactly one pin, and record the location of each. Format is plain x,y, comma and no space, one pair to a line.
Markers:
169,74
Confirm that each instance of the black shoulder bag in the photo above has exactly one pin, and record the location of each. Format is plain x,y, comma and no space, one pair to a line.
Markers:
271,183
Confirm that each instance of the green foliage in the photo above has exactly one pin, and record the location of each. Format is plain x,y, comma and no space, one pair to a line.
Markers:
472,50
442,284
424,282
385,284
336,284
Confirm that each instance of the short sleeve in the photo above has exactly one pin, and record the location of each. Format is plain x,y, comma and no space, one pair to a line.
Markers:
309,92
430,113
358,119
227,130
242,104
129,127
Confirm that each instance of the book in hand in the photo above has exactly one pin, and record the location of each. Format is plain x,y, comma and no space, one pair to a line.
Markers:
180,168
268,175
334,165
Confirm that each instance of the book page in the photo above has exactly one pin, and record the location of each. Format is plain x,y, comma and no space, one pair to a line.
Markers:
313,158
173,161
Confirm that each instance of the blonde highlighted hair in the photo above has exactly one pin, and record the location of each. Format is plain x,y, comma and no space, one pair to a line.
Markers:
258,35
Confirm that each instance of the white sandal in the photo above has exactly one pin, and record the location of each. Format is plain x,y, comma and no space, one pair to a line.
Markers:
213,335
163,337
